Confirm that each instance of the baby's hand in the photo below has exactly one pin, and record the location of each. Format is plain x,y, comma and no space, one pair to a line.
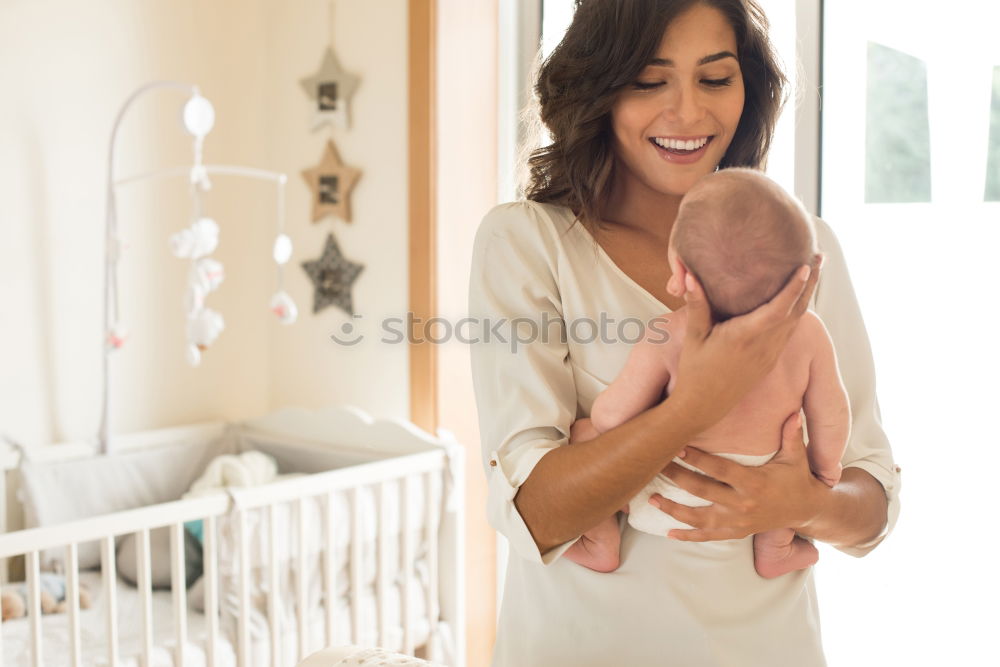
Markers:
830,477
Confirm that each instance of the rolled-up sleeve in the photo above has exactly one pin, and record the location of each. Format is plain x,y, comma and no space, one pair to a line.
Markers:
868,447
525,393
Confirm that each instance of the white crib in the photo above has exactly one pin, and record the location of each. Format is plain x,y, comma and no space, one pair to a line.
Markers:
364,548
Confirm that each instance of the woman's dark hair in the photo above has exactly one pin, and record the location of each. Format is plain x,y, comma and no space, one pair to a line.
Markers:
604,50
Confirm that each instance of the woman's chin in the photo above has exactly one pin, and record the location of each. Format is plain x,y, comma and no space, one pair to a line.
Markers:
683,179
679,186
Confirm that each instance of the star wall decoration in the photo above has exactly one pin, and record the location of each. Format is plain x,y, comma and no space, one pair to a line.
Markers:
331,182
332,276
330,89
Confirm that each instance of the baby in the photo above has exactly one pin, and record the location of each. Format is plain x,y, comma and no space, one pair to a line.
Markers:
742,237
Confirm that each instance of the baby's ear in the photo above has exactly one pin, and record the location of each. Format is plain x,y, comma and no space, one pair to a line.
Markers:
675,285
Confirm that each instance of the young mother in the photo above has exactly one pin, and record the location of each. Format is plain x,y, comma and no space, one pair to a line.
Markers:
642,98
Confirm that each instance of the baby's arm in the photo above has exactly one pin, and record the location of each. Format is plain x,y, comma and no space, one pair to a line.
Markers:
828,412
639,385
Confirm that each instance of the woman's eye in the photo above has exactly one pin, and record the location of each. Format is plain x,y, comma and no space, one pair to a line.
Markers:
718,83
647,85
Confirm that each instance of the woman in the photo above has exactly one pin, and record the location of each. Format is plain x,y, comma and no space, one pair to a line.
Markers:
643,98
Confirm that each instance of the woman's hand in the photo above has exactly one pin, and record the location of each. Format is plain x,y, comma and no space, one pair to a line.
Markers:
719,364
782,493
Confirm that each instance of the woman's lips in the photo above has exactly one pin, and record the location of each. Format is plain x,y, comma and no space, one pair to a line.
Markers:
678,156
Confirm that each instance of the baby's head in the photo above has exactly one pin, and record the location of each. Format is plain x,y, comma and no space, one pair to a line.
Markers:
742,237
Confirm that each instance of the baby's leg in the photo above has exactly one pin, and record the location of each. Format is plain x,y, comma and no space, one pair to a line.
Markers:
598,548
582,430
780,551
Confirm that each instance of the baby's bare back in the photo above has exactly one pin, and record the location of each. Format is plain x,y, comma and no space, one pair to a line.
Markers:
753,426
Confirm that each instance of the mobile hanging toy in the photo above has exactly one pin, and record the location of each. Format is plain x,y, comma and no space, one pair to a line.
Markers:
195,243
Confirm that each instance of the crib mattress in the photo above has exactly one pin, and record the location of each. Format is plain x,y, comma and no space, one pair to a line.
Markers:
56,642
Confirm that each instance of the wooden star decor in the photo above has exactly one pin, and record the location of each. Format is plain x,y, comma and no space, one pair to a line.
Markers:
331,182
332,276
331,89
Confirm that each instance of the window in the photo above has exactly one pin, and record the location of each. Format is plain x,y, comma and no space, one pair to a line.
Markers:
993,152
911,143
897,141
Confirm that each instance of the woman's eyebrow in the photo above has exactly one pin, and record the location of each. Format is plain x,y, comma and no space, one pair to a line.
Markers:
666,62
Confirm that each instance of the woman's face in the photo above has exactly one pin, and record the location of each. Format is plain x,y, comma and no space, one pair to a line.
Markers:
674,123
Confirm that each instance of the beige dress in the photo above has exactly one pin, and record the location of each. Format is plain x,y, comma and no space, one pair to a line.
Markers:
669,603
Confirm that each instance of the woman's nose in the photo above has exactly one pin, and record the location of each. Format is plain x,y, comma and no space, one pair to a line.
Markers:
684,106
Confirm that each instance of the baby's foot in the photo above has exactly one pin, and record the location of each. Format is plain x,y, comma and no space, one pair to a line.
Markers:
773,560
582,430
598,548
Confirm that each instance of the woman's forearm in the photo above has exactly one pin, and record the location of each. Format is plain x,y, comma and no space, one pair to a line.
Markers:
571,489
852,512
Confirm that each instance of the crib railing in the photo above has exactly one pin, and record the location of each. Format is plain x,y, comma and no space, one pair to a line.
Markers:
402,470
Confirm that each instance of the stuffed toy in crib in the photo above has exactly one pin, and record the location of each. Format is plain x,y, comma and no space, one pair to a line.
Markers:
15,596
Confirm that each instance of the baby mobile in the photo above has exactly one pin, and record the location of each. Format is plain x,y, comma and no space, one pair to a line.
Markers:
194,243
331,182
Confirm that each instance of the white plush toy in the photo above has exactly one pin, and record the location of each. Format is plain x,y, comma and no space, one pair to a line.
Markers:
194,300
205,275
249,468
198,240
283,306
203,328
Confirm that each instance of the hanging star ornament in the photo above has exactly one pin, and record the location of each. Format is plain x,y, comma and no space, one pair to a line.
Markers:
330,89
331,182
332,276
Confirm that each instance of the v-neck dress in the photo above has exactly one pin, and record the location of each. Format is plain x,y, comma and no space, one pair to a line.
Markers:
669,602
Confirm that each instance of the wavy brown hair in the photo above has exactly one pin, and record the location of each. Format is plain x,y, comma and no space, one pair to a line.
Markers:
604,50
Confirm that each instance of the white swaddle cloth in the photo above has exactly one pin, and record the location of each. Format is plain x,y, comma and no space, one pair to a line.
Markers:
647,518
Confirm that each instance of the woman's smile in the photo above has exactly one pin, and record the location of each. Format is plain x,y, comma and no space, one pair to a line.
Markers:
682,150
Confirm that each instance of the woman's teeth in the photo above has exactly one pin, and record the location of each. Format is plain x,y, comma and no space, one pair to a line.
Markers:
680,144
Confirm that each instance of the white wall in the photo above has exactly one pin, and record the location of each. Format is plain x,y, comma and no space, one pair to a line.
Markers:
466,189
65,68
370,39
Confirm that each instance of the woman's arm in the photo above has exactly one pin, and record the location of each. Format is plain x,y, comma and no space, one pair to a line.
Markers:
851,513
571,489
